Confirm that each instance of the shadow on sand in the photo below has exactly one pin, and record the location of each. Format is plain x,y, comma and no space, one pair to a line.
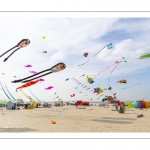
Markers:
115,120
10,130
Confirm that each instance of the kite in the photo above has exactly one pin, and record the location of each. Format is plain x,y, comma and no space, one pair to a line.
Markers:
85,54
49,88
41,79
67,79
83,75
28,66
122,107
14,76
138,104
109,88
28,84
56,68
43,37
124,58
110,99
44,52
21,44
3,73
98,90
104,99
109,46
141,104
144,56
72,95
90,80
34,72
105,89
122,81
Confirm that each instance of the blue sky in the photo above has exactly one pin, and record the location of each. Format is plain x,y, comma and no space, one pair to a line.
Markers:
66,41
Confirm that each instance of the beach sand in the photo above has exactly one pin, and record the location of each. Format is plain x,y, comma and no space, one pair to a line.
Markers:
70,119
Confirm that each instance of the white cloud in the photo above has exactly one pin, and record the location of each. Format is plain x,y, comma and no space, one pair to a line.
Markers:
57,57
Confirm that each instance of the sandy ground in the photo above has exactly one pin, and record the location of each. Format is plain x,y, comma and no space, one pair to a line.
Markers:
70,119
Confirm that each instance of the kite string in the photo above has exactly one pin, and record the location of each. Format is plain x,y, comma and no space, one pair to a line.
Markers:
93,56
111,73
104,70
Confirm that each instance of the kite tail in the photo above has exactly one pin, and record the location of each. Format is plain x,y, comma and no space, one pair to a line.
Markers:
9,92
34,95
5,92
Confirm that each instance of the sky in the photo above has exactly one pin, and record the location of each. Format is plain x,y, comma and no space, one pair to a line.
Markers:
67,39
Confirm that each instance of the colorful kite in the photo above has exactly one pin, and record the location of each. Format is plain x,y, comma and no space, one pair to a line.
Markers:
141,104
49,88
72,95
27,84
109,46
21,44
122,81
33,72
110,99
122,107
144,56
98,90
28,66
85,54
90,80
56,68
